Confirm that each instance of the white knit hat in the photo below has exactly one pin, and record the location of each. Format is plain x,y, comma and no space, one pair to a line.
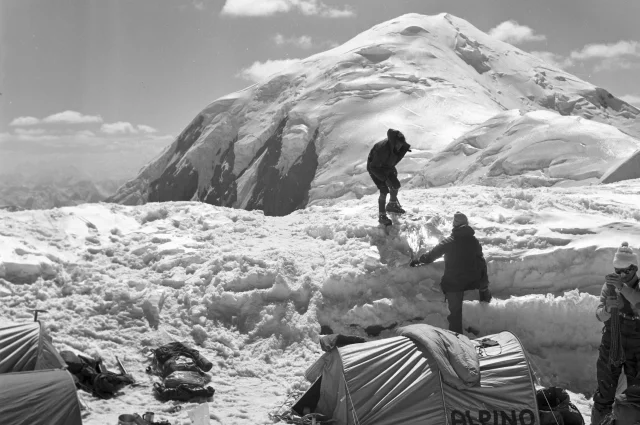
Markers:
624,257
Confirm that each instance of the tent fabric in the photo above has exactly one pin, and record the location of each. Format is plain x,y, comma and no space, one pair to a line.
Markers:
380,378
39,398
506,390
26,347
454,353
397,381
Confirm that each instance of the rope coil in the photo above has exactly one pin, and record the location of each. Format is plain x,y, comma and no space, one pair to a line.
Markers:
616,352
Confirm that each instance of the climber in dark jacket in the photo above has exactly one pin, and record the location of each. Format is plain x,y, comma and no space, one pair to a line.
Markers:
620,295
464,268
381,165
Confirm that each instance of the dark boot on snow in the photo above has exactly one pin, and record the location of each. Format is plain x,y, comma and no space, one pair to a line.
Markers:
485,295
383,219
394,207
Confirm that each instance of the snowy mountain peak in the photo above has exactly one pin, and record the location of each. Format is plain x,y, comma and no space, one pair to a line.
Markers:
474,109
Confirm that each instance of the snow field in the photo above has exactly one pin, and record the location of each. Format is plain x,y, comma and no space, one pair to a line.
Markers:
253,292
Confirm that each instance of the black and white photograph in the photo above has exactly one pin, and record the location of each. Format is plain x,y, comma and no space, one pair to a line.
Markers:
319,212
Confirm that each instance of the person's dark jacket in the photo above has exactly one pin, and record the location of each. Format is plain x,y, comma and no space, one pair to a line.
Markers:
383,158
464,265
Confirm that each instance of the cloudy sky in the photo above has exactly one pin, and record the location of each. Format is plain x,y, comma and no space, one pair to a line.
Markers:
111,77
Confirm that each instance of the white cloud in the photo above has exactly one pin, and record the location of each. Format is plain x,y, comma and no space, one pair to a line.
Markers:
146,129
271,7
632,99
20,137
30,131
514,33
304,41
65,142
623,54
72,117
120,127
553,59
607,51
258,71
85,133
24,121
612,65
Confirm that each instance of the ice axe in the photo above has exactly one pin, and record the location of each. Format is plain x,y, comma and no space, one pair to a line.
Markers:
123,371
35,314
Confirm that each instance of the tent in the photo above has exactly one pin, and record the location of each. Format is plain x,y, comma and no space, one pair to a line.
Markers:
426,375
25,347
46,397
34,387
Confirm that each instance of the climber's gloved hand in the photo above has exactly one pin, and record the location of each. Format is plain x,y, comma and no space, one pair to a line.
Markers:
414,263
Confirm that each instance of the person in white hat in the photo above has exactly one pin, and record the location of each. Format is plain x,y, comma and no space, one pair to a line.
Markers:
620,295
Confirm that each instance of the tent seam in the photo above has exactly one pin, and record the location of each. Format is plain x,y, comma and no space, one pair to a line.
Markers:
346,387
39,353
533,387
444,404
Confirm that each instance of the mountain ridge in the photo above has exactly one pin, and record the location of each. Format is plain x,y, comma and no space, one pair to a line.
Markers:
436,78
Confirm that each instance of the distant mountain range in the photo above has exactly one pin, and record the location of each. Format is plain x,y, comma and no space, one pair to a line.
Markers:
43,190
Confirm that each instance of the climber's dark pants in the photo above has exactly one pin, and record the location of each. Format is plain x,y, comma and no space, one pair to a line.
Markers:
454,300
608,375
388,186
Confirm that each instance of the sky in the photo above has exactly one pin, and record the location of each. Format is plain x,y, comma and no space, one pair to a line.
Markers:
117,80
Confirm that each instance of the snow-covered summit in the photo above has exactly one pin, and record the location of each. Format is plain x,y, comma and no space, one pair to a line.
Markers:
301,137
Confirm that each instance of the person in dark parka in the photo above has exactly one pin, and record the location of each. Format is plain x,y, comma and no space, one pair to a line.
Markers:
464,268
381,165
620,296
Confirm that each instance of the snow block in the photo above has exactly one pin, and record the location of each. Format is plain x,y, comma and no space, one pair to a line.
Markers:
151,308
28,269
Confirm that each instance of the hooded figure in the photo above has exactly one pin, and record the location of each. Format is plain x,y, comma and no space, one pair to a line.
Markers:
619,311
381,165
464,268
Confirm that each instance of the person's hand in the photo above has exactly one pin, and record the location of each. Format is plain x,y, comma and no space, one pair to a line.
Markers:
414,263
614,280
613,302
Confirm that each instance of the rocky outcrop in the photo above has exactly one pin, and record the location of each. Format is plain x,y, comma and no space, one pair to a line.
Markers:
278,194
626,170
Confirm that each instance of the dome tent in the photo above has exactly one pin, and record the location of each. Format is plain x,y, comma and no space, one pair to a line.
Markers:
25,347
34,387
427,375
43,397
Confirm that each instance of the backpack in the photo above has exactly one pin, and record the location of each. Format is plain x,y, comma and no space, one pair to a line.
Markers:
181,369
554,406
74,364
106,384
